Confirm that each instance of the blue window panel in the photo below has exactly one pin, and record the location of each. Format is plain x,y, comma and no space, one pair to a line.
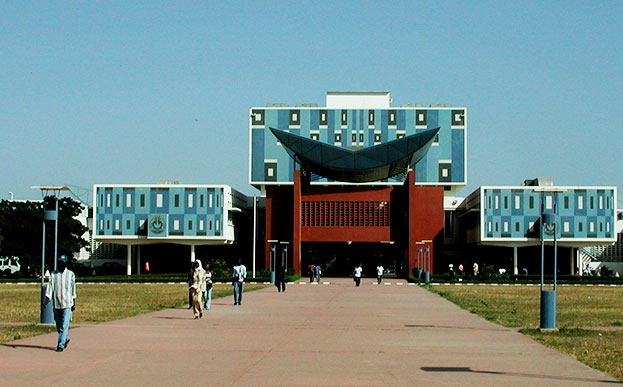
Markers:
171,226
124,225
432,119
187,208
578,211
409,122
144,209
458,155
172,195
257,162
117,219
124,202
165,201
314,119
382,124
400,119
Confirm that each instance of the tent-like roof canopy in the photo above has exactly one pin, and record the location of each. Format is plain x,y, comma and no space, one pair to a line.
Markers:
357,166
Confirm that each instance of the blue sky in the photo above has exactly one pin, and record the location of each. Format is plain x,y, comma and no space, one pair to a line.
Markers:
134,92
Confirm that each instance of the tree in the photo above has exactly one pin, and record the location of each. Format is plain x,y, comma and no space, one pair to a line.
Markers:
21,226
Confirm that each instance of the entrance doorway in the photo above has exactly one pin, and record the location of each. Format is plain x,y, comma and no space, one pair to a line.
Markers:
338,259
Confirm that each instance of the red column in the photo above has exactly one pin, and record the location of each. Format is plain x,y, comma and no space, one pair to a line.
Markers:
296,224
412,236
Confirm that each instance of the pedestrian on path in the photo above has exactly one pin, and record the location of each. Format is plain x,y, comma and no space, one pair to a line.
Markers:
189,279
379,273
357,274
62,290
197,288
280,279
207,295
312,272
318,273
239,274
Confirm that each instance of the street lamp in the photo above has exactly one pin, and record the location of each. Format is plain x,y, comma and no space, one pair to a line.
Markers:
47,313
548,226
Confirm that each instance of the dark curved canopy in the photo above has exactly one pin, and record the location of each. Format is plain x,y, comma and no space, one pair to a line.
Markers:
357,166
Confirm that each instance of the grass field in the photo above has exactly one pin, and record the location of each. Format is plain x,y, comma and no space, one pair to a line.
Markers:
589,318
19,304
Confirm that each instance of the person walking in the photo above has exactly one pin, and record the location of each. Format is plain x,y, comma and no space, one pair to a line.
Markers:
62,291
239,274
318,273
197,288
280,279
357,274
312,272
207,295
379,273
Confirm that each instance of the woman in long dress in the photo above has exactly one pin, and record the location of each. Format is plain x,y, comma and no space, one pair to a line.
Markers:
197,288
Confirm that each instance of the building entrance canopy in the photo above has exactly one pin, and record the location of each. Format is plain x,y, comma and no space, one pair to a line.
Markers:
357,166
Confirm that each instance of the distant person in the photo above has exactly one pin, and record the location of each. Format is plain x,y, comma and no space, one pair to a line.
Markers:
239,274
461,270
318,273
62,290
207,295
475,268
379,273
502,270
197,288
312,272
357,274
146,267
280,279
525,271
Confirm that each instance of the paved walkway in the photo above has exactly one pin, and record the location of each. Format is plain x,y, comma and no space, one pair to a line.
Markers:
334,334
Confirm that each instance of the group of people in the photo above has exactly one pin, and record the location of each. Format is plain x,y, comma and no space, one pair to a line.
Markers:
358,273
315,273
200,282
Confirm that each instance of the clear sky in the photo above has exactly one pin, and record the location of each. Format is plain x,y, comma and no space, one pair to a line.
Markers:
135,92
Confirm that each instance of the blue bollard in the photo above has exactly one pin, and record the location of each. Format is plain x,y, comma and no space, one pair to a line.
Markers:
47,312
548,309
272,277
426,277
419,273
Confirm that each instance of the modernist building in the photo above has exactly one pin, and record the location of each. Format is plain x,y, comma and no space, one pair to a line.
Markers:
356,181
359,181
180,214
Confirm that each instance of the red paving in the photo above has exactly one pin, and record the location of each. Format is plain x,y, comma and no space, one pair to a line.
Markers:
335,334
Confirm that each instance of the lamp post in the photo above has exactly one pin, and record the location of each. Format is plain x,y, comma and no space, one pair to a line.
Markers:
47,313
548,225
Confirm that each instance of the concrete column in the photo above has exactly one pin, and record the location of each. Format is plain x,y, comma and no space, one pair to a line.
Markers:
192,253
138,259
579,260
515,268
572,264
129,260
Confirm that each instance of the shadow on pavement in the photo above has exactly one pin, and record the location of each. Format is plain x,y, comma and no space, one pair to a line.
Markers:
29,346
537,376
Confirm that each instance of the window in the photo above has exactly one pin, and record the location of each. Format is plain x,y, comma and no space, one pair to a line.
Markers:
210,200
548,202
591,227
101,224
337,138
315,136
116,224
201,225
177,200
176,224
580,202
354,139
496,227
517,203
142,200
580,227
444,172
324,120
159,200
591,202
377,138
210,225
270,172
361,138
371,117
190,224
128,200
505,226
497,202
191,200
530,225
217,225
141,222
489,226
201,200
531,202
117,200
517,226
127,224
565,227
344,117
601,202
566,202
108,224
107,200
505,202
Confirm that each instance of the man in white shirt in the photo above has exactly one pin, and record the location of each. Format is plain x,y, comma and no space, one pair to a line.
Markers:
357,274
239,274
62,291
379,273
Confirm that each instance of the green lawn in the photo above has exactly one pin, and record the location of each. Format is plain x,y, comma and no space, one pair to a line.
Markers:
95,303
578,308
